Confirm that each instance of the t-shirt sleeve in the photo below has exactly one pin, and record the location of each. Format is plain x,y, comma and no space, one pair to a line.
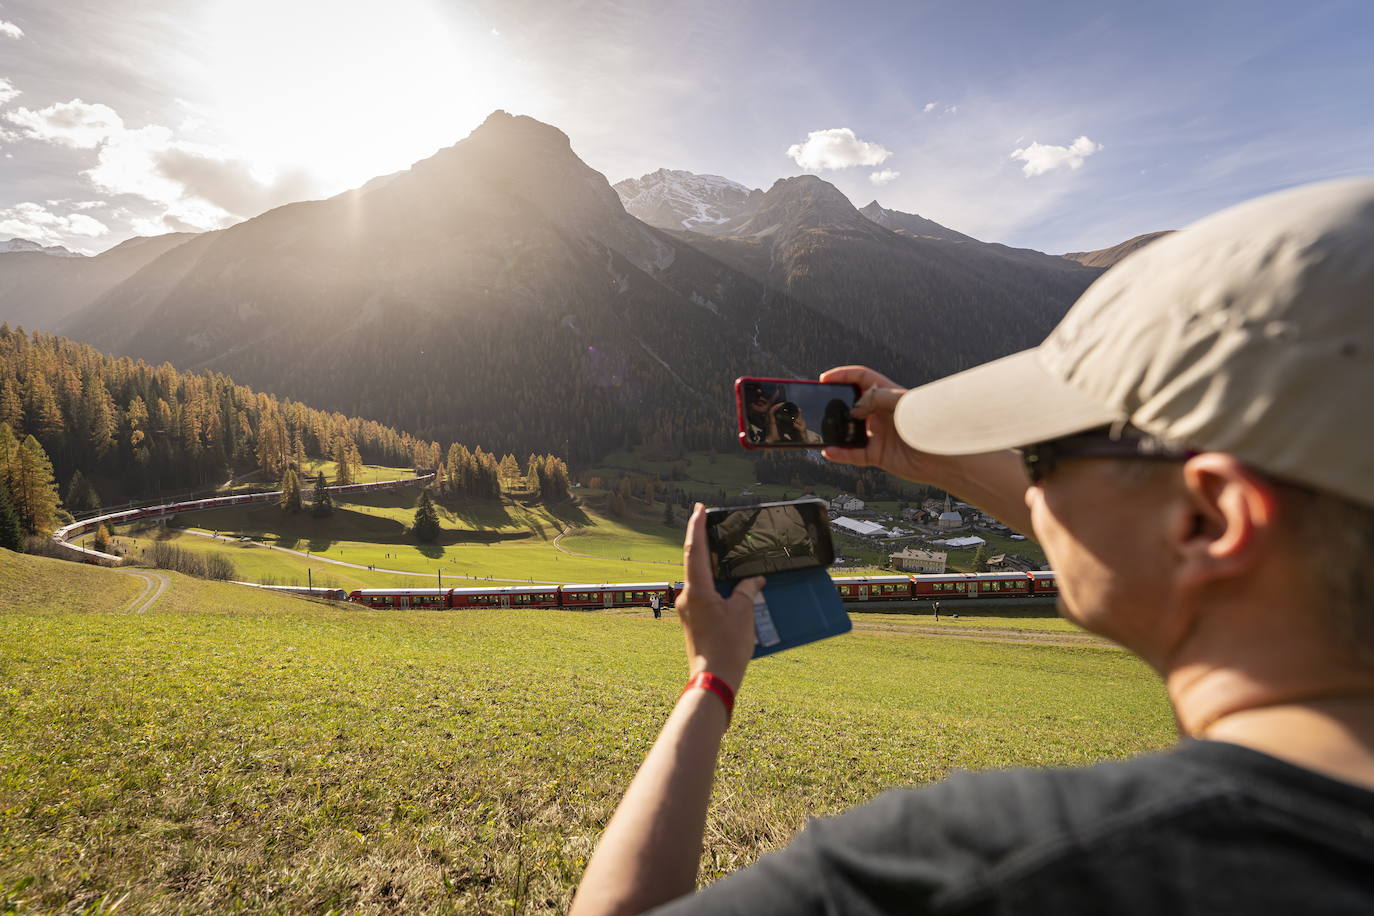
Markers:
905,852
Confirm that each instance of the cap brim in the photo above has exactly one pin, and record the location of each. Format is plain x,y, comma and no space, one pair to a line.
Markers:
1007,403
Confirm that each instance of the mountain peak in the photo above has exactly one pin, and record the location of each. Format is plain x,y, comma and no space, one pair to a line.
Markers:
16,245
678,199
799,203
911,224
522,128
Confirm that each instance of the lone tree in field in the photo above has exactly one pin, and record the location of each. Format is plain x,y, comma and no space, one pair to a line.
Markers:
323,506
101,541
980,558
426,528
290,492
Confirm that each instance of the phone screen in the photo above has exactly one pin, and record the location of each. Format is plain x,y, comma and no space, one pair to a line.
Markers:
769,538
795,413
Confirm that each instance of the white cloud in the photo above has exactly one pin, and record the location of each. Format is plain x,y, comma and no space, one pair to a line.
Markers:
930,106
7,91
1040,158
884,176
836,148
76,123
195,187
38,224
953,109
10,30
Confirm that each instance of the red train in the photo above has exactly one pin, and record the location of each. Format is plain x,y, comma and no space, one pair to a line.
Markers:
853,590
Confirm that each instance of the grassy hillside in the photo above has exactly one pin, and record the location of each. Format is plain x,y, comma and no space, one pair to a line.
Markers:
237,750
502,541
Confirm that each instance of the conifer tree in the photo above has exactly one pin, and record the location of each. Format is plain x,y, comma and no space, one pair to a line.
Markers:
426,528
11,531
323,504
980,558
101,541
534,470
668,518
290,492
28,474
75,500
343,474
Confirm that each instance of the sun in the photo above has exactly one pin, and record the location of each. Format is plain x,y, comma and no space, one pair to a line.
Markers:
345,90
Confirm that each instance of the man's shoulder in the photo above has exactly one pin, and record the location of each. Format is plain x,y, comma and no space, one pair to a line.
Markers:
1130,825
1165,832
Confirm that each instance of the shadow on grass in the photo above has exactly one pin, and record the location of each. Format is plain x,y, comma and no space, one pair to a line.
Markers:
570,513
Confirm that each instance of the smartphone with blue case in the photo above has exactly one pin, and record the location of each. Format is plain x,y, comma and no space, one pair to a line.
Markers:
789,543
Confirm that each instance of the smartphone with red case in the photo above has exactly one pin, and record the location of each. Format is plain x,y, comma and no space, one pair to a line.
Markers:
797,413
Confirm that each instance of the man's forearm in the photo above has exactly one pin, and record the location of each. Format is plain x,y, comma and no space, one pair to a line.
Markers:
649,852
994,482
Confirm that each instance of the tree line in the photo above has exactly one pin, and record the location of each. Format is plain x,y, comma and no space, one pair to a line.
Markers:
101,430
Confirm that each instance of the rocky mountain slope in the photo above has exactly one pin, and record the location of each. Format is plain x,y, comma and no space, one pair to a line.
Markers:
912,224
1106,257
945,303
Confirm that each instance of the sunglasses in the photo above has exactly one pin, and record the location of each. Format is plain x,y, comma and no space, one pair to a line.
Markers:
1041,458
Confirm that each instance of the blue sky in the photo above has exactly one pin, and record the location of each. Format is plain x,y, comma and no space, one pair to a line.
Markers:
1052,125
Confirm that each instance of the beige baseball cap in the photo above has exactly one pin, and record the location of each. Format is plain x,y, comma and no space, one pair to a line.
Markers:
1250,332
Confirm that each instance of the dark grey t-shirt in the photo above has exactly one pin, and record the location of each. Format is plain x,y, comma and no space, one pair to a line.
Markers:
1205,828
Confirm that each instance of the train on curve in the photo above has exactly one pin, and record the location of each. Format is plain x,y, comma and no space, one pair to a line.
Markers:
856,590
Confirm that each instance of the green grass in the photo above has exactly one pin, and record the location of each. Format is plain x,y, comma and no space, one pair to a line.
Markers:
507,540
233,750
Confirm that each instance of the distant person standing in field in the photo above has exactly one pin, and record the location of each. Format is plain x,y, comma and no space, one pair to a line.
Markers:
656,605
1192,447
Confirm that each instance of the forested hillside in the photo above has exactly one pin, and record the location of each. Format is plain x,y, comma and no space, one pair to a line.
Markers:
117,429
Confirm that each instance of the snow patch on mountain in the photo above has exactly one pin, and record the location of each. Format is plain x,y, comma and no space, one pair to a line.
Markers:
677,199
24,245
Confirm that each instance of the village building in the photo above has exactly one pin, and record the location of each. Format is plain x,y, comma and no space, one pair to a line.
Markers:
846,503
964,543
1005,562
863,529
918,561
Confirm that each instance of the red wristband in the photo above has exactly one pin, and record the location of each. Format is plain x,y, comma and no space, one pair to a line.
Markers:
708,681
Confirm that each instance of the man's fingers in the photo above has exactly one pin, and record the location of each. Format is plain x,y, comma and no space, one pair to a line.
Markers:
696,560
839,455
878,400
862,376
750,588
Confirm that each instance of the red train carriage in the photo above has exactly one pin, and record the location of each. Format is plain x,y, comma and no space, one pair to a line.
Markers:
401,597
505,596
616,594
1002,585
946,586
1044,583
875,588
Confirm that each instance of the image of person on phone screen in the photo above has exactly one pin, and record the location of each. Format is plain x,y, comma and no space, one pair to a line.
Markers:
763,542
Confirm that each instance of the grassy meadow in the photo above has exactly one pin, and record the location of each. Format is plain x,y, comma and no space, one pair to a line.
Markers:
506,541
235,750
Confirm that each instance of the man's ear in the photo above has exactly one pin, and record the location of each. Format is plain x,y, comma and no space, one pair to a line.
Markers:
1228,518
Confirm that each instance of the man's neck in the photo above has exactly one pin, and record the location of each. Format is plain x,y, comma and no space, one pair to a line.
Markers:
1333,735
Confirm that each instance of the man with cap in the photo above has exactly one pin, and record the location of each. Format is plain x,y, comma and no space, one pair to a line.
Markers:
1192,447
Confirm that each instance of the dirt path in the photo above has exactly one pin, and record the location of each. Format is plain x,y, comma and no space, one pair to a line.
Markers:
154,584
984,634
557,542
